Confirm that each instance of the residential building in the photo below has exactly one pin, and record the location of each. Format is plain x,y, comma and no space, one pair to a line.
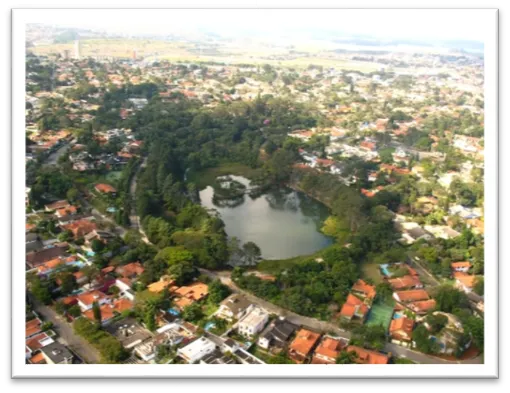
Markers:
401,329
354,308
57,353
128,332
253,322
87,299
246,358
303,345
234,307
412,295
328,350
195,351
365,356
276,334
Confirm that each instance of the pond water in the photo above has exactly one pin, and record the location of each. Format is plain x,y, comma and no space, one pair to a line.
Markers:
282,222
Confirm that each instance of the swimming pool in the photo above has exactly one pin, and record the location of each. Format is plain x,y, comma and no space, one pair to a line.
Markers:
91,253
174,312
209,325
384,269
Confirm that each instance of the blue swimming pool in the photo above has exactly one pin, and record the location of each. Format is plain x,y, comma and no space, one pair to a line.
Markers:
91,253
209,325
174,312
384,269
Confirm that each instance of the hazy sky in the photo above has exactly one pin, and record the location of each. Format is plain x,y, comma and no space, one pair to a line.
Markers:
402,24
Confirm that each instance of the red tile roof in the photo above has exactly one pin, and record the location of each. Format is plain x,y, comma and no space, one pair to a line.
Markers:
401,328
412,295
353,306
362,287
105,188
368,357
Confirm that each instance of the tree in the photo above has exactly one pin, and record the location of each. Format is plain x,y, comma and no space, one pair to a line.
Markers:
479,285
192,313
111,350
436,322
90,272
218,291
373,337
97,245
449,298
251,253
421,338
97,312
175,255
72,194
68,283
182,272
347,357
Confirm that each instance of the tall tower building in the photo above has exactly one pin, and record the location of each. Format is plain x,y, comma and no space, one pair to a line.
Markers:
77,49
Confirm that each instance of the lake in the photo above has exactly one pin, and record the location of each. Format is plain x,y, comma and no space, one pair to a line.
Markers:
284,223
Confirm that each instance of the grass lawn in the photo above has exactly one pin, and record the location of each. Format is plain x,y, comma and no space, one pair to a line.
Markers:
371,270
209,309
113,176
207,176
274,266
380,314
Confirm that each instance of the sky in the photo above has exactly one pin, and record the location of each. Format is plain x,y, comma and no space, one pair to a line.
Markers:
384,24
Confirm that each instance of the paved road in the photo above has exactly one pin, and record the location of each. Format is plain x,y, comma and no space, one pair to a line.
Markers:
53,157
78,345
134,218
417,357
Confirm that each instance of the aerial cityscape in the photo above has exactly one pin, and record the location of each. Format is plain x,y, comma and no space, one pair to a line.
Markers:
205,197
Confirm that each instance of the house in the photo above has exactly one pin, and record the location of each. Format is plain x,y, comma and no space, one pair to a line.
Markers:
195,351
56,205
405,282
361,288
171,334
66,211
354,308
159,286
36,258
234,307
365,356
461,266
401,329
246,358
328,350
87,299
421,307
32,327
367,145
412,295
464,281
57,353
276,334
216,357
35,343
80,228
442,231
131,270
123,304
253,322
33,242
107,314
102,236
187,295
128,332
302,345
104,188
